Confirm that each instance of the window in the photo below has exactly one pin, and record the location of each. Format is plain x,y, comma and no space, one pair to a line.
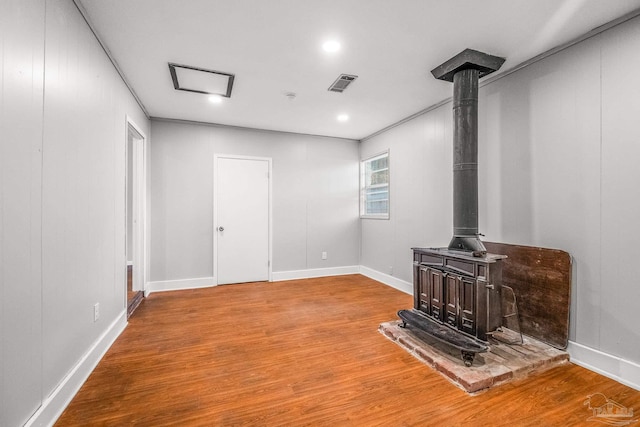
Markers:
374,187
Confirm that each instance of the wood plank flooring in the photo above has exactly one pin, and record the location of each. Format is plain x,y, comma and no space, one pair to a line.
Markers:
302,353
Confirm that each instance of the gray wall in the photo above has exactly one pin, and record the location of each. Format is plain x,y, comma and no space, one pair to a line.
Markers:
21,89
315,197
62,213
559,146
420,159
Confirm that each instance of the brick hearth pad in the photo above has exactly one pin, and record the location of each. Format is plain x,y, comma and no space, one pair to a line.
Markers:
502,363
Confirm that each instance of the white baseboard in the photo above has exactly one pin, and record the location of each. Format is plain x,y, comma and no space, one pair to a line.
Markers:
177,285
394,282
278,276
623,371
53,406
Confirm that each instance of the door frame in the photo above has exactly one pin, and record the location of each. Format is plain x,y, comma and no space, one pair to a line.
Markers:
140,238
216,157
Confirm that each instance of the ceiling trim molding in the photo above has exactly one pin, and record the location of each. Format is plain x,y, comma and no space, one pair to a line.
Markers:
219,125
85,16
595,32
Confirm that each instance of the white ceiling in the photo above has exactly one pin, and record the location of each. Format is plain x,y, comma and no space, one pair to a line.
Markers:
274,47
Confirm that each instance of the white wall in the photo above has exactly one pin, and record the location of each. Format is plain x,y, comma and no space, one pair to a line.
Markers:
558,152
315,197
63,136
420,212
21,88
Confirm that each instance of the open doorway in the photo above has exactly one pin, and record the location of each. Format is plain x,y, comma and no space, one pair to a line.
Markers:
135,216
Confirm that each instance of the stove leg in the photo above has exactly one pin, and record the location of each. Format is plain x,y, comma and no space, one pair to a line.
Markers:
467,357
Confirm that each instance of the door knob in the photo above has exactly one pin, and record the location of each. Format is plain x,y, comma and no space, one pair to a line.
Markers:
220,228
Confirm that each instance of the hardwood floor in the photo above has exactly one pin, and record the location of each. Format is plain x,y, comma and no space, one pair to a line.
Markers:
302,353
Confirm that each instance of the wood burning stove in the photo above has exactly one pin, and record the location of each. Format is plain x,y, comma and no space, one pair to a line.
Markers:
458,288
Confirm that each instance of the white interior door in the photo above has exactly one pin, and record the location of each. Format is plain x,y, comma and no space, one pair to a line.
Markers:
242,219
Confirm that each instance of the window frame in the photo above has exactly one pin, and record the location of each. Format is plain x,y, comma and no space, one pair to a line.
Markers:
363,187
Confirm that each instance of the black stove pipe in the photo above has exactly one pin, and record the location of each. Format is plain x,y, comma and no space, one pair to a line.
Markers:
465,162
464,70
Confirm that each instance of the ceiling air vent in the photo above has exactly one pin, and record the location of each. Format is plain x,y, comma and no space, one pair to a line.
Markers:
342,82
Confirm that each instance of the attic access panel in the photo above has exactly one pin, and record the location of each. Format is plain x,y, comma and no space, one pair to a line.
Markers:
200,80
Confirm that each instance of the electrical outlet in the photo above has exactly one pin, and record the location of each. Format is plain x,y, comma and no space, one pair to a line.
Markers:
96,311
324,255
390,270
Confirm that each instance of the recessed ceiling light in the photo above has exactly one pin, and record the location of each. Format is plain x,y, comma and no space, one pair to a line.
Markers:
343,117
215,99
331,46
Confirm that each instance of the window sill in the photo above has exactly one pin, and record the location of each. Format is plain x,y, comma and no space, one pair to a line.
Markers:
374,216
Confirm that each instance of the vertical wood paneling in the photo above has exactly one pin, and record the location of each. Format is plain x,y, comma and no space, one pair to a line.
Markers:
566,164
405,157
21,86
290,206
505,156
331,172
619,330
420,160
84,216
181,202
552,198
